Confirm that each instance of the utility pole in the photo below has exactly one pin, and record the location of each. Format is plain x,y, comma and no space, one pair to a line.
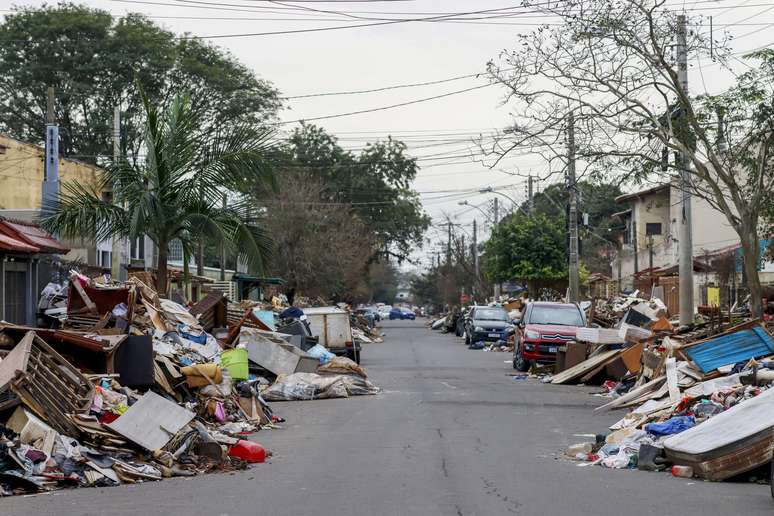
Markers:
530,206
50,193
494,224
448,246
574,293
475,250
115,255
685,229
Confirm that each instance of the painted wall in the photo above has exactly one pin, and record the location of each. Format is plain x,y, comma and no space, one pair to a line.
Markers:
21,174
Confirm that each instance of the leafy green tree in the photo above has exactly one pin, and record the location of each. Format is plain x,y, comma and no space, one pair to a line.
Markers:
175,192
598,201
531,249
94,61
376,182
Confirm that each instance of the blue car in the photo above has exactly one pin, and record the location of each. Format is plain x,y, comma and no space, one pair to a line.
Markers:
400,313
408,314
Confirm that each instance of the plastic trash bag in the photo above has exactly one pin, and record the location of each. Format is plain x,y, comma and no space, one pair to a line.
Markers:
319,352
671,426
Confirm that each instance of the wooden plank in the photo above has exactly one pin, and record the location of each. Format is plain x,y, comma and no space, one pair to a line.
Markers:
632,358
584,367
86,299
634,393
671,374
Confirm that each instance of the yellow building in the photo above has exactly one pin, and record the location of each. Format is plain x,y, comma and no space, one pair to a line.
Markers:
21,186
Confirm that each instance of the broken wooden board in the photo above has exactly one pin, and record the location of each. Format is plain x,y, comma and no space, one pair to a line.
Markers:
584,367
632,358
634,393
152,421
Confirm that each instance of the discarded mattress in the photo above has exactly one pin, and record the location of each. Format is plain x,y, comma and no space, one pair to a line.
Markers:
734,441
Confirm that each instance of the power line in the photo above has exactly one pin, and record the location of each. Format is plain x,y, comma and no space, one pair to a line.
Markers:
383,108
385,88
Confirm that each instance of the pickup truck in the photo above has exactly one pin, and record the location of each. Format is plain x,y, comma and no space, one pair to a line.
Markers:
543,328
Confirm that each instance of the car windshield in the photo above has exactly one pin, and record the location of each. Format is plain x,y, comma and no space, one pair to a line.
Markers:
491,314
559,315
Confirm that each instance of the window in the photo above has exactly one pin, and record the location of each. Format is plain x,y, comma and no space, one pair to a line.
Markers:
653,228
490,314
559,315
105,259
138,248
628,232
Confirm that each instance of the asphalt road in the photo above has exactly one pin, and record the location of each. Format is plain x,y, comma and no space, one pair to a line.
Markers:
451,434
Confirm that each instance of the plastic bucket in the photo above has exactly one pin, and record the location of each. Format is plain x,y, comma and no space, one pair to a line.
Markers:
235,360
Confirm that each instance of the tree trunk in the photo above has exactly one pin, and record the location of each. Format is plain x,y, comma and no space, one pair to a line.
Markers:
186,275
751,258
161,268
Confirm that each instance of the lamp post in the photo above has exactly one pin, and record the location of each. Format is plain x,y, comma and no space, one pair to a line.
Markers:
485,214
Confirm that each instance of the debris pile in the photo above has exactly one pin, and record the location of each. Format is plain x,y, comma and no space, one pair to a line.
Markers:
128,386
699,398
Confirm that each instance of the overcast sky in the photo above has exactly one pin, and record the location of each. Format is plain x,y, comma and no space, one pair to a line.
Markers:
440,131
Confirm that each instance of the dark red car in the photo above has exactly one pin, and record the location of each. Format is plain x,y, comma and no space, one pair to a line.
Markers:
543,328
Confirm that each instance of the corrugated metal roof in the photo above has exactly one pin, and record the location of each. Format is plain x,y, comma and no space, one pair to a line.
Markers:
728,349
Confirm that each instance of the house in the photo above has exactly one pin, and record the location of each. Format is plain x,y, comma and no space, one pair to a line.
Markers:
23,268
21,192
649,243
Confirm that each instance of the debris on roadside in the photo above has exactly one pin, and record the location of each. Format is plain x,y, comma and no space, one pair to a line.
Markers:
698,398
128,386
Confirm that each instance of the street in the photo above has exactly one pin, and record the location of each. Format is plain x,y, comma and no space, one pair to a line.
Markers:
451,434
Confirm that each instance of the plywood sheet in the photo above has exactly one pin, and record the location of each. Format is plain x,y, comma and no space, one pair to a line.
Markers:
152,421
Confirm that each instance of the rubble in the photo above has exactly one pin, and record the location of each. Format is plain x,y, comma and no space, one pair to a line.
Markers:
698,397
131,387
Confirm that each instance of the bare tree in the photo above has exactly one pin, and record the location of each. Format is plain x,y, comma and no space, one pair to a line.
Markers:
612,64
321,248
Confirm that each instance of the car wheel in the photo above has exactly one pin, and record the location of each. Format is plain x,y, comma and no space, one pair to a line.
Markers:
519,363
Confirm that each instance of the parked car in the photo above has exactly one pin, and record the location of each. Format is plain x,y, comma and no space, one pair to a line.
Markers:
487,324
408,314
543,328
384,311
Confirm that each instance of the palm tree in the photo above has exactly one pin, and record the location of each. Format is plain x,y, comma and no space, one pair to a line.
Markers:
176,192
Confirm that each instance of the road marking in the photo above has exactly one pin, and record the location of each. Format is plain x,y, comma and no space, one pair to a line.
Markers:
449,386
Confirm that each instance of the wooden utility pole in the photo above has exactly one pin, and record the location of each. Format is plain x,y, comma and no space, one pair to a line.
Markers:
574,270
685,227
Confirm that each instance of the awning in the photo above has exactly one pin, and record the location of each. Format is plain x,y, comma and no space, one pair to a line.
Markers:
29,238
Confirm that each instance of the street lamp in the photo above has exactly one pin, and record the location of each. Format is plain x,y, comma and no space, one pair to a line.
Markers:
466,203
489,189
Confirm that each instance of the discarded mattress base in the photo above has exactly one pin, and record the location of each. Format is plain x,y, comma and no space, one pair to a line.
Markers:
739,457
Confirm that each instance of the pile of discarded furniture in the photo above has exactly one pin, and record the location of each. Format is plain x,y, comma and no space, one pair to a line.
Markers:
698,398
127,386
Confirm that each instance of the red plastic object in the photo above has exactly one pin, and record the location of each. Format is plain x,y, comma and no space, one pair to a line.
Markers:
248,450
